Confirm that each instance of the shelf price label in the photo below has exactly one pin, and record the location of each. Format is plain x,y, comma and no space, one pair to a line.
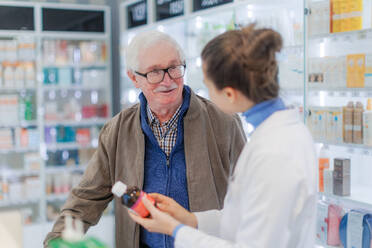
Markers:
137,14
355,94
169,8
331,93
350,150
205,4
343,94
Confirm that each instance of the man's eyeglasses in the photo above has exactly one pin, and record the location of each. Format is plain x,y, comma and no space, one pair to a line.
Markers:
156,76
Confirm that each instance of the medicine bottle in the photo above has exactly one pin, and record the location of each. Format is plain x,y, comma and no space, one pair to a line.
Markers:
132,198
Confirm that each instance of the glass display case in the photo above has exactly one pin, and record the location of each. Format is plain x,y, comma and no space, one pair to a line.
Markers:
338,115
55,95
77,104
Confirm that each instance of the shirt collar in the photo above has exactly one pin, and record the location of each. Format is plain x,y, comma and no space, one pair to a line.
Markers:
143,112
261,111
153,119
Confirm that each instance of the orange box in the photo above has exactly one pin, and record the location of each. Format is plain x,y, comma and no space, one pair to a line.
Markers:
323,164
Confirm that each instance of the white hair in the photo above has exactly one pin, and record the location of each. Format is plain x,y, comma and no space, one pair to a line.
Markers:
145,40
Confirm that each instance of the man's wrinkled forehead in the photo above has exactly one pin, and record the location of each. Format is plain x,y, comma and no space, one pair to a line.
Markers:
159,56
171,63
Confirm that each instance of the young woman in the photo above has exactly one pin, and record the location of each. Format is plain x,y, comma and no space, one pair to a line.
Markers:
271,199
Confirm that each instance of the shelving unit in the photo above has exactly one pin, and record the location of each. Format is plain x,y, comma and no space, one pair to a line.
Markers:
55,106
336,46
194,28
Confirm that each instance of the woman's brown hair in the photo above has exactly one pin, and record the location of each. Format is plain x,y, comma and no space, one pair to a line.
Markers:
245,60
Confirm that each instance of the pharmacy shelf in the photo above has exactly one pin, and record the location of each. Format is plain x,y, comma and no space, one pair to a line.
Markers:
360,196
19,150
21,173
56,197
12,203
325,246
340,91
72,87
55,169
83,122
291,91
363,33
16,89
82,66
70,146
348,148
20,124
74,35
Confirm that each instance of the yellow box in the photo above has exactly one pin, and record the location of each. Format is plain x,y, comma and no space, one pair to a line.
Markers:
356,23
356,68
335,5
336,26
345,25
335,16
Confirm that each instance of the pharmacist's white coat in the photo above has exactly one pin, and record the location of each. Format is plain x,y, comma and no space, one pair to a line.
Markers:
271,199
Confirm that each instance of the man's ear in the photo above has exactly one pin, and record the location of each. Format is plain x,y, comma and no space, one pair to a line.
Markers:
133,78
231,94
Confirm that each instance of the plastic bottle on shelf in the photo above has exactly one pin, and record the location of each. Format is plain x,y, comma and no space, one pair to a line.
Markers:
26,108
358,123
8,75
348,122
5,183
19,75
1,76
29,75
328,181
132,198
335,214
367,124
323,162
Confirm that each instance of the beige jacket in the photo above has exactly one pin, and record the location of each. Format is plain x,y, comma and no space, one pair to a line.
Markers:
212,140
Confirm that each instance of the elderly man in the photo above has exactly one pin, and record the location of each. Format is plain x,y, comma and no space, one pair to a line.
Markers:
173,142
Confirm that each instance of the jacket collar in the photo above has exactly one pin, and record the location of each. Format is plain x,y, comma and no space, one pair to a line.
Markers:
143,112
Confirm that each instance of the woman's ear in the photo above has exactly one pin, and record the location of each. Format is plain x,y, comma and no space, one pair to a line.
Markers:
231,94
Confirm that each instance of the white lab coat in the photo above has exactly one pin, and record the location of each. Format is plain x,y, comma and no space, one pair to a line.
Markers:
271,199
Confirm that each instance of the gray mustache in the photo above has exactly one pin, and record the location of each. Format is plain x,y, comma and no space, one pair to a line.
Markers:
163,88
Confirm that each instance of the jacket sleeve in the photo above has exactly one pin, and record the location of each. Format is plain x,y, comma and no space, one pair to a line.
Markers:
88,200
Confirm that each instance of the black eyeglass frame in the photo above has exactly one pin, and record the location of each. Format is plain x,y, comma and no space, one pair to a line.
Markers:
165,71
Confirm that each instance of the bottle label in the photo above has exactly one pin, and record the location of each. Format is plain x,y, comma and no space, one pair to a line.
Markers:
140,208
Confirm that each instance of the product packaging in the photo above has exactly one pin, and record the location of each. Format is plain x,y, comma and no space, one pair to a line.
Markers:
348,112
341,177
358,123
367,124
335,214
323,164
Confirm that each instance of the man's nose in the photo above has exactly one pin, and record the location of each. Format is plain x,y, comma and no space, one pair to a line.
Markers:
167,79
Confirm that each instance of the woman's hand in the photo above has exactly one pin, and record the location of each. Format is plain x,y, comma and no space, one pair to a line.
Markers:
159,222
170,206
